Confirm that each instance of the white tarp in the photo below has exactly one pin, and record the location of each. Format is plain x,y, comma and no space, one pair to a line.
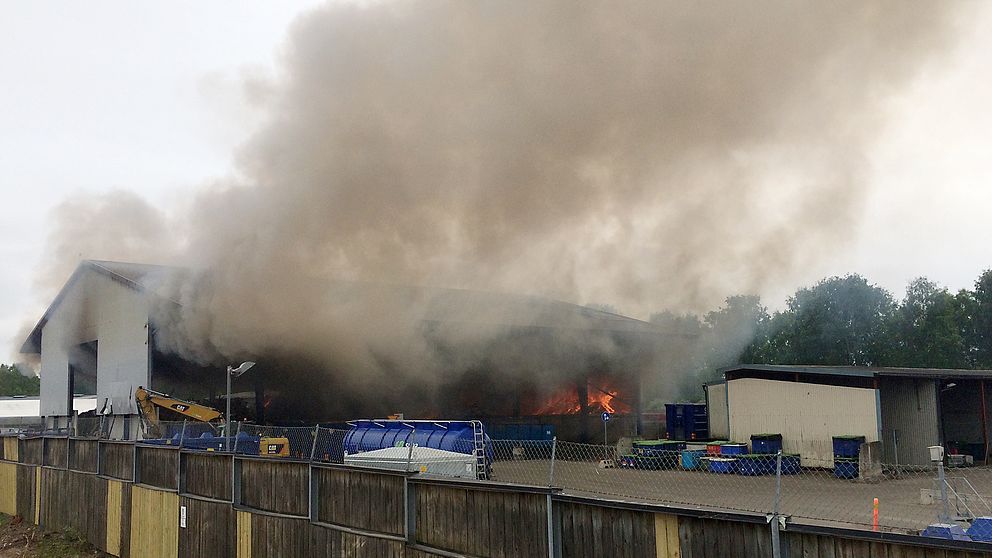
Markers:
417,459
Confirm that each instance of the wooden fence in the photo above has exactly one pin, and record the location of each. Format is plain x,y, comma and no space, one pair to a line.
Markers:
158,501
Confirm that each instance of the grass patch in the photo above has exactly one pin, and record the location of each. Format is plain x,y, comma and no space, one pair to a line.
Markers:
67,543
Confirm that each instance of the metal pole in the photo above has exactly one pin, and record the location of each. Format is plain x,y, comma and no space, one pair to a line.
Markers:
776,507
554,449
182,434
313,447
895,445
946,516
409,445
237,435
227,415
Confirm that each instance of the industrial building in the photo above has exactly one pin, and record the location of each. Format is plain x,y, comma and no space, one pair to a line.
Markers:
100,337
907,409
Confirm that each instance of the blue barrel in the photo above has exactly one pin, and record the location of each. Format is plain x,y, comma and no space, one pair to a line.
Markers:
691,459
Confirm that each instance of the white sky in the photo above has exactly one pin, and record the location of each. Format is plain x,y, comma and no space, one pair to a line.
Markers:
142,96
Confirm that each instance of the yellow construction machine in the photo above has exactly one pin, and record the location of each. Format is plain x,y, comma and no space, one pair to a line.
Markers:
151,402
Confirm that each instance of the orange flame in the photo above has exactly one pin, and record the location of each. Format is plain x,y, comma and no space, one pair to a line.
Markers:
565,401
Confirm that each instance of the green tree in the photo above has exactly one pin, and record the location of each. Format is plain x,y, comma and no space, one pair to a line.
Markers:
928,328
839,321
12,382
979,337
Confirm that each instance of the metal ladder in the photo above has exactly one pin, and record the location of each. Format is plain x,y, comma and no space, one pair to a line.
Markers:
479,449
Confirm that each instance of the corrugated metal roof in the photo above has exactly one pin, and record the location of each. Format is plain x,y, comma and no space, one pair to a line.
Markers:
436,304
861,371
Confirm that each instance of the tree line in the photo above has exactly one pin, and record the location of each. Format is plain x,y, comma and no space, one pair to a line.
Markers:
12,382
844,321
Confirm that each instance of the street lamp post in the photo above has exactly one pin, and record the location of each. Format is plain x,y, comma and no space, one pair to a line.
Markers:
232,373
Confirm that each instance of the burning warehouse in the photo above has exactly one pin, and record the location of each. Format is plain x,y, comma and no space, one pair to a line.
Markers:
374,350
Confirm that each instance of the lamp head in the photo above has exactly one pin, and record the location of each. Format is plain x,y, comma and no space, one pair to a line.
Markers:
241,369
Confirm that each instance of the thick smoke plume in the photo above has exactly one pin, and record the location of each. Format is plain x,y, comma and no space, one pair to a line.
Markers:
646,154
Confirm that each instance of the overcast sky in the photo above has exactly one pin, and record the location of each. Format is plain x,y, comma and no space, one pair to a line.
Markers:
147,97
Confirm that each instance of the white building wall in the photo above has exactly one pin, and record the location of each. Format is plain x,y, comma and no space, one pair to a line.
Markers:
97,308
807,415
716,410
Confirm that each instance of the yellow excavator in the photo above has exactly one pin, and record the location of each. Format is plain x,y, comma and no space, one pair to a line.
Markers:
150,402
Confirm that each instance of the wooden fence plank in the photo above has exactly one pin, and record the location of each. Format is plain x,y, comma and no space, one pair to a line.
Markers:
158,466
154,522
208,474
209,531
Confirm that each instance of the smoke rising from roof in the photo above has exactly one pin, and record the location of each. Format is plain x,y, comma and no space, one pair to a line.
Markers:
647,154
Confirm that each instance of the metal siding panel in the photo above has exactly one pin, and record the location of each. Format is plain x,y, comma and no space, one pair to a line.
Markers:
807,415
719,416
909,407
97,308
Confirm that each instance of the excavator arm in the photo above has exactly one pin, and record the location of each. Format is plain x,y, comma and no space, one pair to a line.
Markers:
150,402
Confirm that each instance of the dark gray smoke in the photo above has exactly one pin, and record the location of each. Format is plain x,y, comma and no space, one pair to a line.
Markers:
646,154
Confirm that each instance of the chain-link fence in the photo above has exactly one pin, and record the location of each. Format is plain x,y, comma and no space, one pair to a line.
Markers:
846,489
851,492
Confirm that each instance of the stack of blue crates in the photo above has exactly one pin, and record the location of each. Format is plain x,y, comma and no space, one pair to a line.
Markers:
847,450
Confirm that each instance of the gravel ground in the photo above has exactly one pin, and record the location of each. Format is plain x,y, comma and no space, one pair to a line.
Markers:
813,496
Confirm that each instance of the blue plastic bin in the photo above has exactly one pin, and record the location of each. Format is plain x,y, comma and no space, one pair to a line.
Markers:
733,449
845,469
755,465
848,446
723,465
947,531
766,443
981,529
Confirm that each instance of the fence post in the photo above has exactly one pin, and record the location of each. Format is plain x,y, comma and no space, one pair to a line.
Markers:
236,436
182,434
776,508
314,494
945,516
313,444
409,451
554,529
410,510
135,470
235,480
554,449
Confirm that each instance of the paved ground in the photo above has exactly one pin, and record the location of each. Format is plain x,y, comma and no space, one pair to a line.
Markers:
814,496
